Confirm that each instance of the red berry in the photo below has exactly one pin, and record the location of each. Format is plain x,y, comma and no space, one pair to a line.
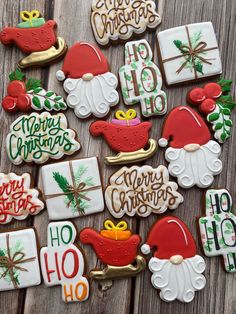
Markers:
196,96
15,88
212,90
208,105
24,102
9,104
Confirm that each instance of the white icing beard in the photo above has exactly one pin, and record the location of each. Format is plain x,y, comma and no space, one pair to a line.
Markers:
92,97
198,167
178,281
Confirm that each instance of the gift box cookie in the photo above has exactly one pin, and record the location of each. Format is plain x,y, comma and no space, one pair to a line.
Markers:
73,188
189,53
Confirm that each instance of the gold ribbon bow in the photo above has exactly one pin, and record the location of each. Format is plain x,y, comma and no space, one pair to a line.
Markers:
11,263
29,16
129,115
121,226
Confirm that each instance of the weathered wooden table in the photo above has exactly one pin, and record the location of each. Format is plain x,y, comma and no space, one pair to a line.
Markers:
132,295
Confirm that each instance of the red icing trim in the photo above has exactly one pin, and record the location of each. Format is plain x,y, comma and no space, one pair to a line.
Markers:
111,252
170,236
49,271
30,39
122,138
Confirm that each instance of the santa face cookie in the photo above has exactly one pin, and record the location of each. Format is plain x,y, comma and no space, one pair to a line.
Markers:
114,21
193,157
19,264
218,228
117,248
90,84
214,101
73,188
25,96
38,137
176,267
35,37
62,262
141,79
189,53
17,198
141,191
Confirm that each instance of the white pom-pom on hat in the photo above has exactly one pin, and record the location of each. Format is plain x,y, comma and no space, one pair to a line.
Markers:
163,142
145,249
60,75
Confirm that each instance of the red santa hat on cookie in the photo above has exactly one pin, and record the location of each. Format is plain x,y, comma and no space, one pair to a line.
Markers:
182,127
83,60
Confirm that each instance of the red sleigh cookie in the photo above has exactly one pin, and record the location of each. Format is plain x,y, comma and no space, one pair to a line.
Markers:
127,136
35,37
116,248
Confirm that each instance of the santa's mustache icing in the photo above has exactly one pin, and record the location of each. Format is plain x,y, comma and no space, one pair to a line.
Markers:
193,157
90,85
176,267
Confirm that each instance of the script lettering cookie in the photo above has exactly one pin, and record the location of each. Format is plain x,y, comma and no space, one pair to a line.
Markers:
117,248
141,191
192,155
188,53
38,137
19,263
90,85
62,262
35,37
141,79
218,228
17,198
176,267
73,188
115,20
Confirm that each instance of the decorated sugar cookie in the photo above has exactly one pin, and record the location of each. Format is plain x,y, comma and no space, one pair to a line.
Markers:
189,53
218,227
216,103
192,155
17,198
19,262
36,37
88,81
25,96
141,79
141,191
117,249
114,21
126,135
38,137
176,267
73,188
62,262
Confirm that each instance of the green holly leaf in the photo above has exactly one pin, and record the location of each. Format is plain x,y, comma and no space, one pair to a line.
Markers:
38,90
36,102
199,67
229,225
226,111
223,136
62,105
203,220
231,267
225,85
47,104
210,229
134,66
49,94
218,126
57,98
217,217
32,84
213,117
229,123
16,75
178,43
227,232
226,101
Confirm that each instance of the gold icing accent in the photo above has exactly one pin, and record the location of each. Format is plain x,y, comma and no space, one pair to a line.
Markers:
176,259
88,77
191,147
132,157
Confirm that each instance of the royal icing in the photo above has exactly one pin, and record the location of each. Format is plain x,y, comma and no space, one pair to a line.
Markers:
176,268
218,228
38,137
62,262
19,263
141,191
25,96
216,103
189,52
73,188
118,19
17,198
193,157
36,37
89,83
141,79
117,248
128,139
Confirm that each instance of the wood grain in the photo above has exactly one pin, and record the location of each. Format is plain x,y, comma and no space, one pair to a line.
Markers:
131,295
